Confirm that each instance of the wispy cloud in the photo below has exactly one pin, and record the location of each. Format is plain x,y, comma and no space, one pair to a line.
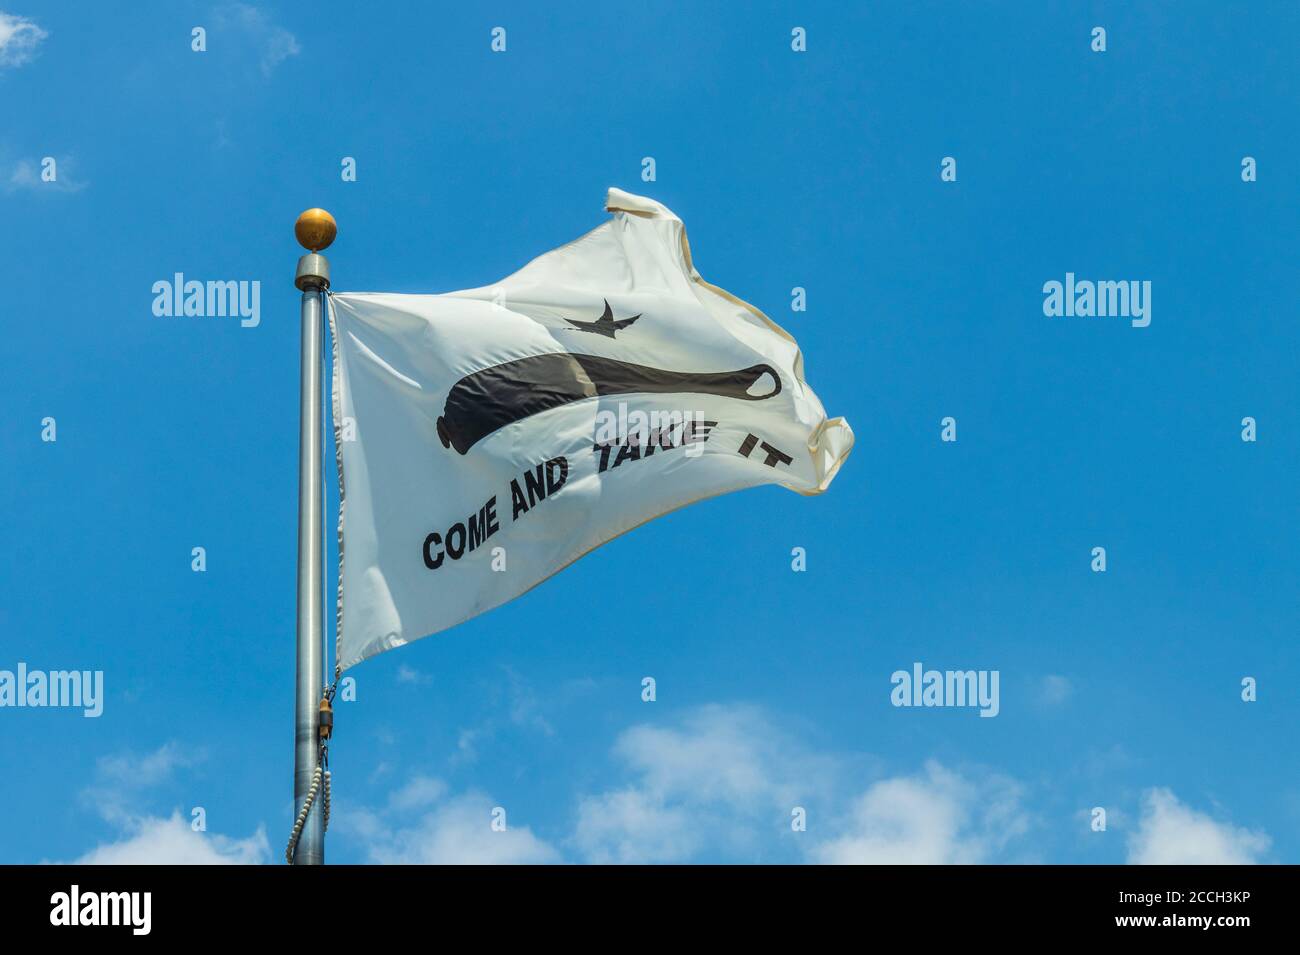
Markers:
423,824
1054,690
413,676
1171,833
121,781
273,44
523,710
20,39
26,175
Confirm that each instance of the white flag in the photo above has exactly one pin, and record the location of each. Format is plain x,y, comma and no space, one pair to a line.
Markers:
489,438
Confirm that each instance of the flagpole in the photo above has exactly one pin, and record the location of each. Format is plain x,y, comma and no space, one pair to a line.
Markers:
315,230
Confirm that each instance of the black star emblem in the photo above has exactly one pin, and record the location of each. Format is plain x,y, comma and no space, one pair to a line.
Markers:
605,325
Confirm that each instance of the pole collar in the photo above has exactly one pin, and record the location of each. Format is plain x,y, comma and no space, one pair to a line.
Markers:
313,273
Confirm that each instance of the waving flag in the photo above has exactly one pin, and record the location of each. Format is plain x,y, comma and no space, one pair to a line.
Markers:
488,438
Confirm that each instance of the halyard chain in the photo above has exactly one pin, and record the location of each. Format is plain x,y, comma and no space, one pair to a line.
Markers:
320,777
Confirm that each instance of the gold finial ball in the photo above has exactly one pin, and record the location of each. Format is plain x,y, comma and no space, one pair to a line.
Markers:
315,230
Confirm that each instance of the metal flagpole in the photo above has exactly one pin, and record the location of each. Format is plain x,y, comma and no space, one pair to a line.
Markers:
315,230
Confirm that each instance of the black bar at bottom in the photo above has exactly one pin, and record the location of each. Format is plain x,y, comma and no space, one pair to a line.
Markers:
481,904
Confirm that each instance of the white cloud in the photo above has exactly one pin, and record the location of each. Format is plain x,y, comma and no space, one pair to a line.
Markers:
422,825
19,40
156,841
726,778
720,784
1170,833
274,44
733,754
121,783
634,826
935,818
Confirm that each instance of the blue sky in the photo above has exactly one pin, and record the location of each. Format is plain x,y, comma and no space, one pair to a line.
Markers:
818,169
